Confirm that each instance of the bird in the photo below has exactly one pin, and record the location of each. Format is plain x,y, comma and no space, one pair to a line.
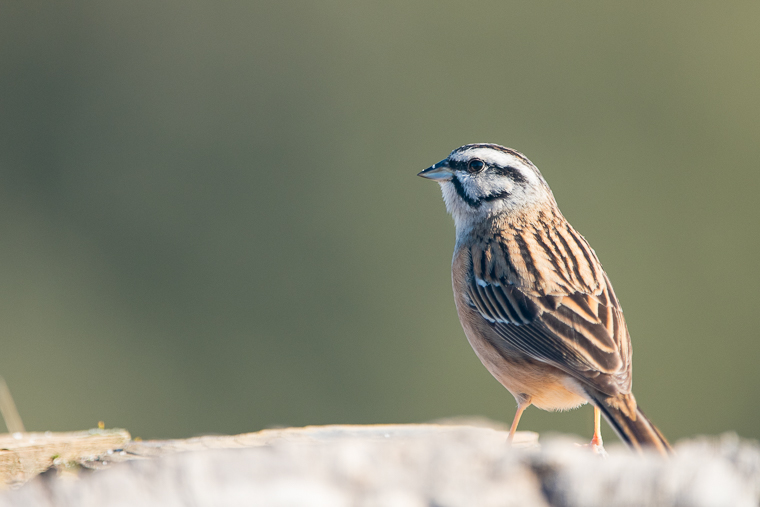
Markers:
532,297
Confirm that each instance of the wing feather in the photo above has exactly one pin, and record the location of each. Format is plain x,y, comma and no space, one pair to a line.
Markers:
579,305
545,294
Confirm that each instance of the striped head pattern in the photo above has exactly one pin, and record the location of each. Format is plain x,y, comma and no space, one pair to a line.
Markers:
482,180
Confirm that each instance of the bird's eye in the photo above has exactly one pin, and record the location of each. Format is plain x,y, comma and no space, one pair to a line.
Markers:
475,165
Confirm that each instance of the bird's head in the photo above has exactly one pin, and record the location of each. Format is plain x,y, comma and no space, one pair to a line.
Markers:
483,180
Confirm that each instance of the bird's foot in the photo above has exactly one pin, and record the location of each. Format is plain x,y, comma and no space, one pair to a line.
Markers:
596,446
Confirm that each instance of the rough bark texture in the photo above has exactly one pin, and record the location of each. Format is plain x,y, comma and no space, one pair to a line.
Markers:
393,465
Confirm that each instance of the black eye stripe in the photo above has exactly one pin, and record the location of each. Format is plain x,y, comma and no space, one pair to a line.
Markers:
458,165
512,172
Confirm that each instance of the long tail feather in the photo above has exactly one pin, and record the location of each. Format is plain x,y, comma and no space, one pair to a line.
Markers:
629,422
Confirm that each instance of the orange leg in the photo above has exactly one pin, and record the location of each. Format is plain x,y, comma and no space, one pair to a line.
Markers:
596,442
597,439
520,409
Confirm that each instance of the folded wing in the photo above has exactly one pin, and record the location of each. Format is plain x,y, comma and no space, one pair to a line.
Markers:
545,294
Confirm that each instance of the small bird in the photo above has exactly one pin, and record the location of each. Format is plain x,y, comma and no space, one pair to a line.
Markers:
532,297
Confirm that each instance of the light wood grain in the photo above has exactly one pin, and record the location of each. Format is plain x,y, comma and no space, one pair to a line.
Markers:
24,455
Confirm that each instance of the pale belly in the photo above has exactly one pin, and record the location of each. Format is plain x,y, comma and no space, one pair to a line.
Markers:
546,386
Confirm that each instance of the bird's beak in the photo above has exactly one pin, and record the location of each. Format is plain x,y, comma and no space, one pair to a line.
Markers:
438,172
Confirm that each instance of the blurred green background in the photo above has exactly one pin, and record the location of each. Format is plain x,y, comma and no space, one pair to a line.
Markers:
210,219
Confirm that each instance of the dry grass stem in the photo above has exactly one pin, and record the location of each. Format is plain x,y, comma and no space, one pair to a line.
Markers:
8,409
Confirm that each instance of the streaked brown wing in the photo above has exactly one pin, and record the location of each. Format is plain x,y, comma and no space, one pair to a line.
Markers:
553,307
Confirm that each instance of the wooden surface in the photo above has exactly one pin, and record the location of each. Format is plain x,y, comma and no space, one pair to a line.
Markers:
24,455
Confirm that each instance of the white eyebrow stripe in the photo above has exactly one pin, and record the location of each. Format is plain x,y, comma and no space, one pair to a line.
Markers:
490,156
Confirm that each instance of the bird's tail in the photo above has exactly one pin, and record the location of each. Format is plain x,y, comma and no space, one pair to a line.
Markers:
630,423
